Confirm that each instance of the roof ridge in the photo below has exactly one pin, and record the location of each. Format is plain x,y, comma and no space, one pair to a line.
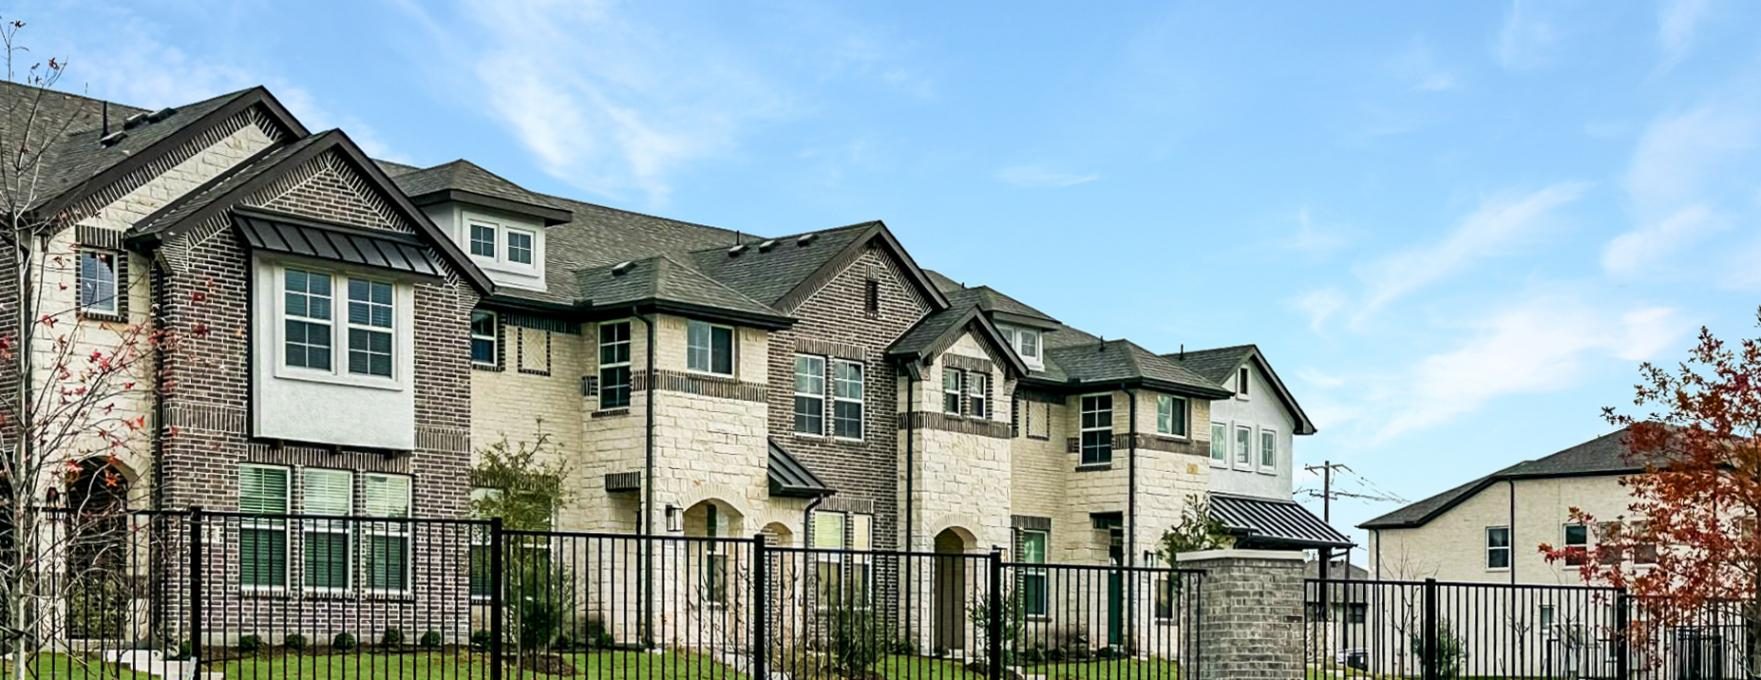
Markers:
627,211
784,237
76,95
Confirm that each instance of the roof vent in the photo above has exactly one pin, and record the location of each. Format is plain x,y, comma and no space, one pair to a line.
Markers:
736,250
135,121
767,245
621,268
806,240
112,138
161,114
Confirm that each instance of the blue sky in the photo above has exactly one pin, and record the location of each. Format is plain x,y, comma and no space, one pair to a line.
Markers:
1454,230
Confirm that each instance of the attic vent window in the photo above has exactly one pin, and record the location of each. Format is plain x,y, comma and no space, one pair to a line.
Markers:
135,121
621,268
161,114
736,250
767,245
807,240
112,138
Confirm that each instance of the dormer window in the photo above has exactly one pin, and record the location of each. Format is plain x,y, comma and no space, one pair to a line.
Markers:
519,246
510,250
483,240
1026,342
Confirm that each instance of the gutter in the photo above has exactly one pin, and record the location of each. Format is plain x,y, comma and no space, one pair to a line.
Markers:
647,527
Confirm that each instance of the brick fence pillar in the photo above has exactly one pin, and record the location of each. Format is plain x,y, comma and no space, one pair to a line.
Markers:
1250,614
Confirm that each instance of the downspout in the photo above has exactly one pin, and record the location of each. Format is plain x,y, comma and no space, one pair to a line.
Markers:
910,460
1376,536
1131,483
647,481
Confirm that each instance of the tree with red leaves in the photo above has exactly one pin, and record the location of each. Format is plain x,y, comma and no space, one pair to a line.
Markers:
1688,550
76,387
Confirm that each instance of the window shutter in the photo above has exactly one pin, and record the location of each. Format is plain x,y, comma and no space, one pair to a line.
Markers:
262,490
328,492
388,496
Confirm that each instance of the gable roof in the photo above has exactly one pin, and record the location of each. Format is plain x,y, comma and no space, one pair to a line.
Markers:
77,163
662,283
224,191
783,271
937,330
992,301
465,182
1219,365
1604,455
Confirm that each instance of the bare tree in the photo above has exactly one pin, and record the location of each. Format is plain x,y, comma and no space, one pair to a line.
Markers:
75,385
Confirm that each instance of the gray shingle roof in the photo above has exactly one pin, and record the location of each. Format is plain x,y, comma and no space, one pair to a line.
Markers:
1216,364
265,162
662,279
936,330
770,274
1604,455
1124,361
74,154
464,176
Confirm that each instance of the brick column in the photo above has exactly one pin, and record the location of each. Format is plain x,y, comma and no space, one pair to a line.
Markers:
1250,614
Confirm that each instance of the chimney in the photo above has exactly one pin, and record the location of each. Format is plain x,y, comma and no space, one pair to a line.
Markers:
1183,351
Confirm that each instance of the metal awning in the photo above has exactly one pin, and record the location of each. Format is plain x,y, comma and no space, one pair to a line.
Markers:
310,238
1273,523
788,477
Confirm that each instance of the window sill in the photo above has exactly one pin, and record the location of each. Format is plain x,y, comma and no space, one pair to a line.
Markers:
712,375
1220,465
1268,471
486,367
110,317
343,379
1172,437
1497,570
810,435
1094,467
610,412
847,440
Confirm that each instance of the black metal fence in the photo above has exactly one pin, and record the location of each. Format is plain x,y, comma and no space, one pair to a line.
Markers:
1435,630
297,596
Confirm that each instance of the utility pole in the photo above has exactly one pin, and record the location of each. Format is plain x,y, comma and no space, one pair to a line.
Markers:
1326,469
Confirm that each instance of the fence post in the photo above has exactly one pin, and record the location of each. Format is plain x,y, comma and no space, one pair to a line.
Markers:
994,623
195,567
496,596
1622,619
760,602
1429,627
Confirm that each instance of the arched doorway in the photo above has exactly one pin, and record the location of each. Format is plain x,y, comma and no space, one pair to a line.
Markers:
949,602
94,518
707,560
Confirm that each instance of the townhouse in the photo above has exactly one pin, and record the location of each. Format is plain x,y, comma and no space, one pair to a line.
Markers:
348,331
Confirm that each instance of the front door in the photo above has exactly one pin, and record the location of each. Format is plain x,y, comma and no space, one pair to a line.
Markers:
950,592
1115,592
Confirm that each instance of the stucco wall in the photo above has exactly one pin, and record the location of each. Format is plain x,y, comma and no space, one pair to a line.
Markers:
1261,409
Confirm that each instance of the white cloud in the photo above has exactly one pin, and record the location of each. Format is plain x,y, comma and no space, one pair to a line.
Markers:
1679,152
1643,248
1312,239
1042,177
1538,345
1498,224
1677,22
1417,66
1526,40
1319,305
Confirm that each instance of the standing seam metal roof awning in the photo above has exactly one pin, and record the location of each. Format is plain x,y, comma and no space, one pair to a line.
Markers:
1270,522
788,477
298,236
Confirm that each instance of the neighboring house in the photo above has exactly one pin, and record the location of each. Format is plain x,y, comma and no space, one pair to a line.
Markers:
352,330
1488,530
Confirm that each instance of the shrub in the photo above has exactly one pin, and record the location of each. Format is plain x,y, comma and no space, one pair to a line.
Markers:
597,636
480,640
184,650
392,638
854,641
543,595
294,641
430,640
249,644
343,642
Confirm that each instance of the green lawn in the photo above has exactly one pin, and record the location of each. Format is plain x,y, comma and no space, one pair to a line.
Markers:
1135,669
449,665
64,667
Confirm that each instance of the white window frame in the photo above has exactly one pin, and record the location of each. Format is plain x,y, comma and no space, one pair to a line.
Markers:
1017,337
978,398
835,559
1268,436
349,325
1180,411
479,539
861,560
332,527
820,396
1243,376
494,337
958,391
733,348
600,346
1105,426
1219,442
257,523
508,234
339,325
100,293
1244,447
1045,613
500,241
392,527
471,241
860,400
1486,559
